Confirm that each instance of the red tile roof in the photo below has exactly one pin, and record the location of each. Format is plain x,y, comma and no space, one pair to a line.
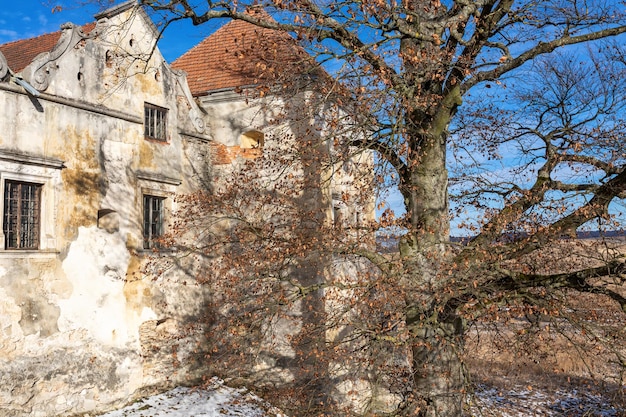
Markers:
239,54
20,53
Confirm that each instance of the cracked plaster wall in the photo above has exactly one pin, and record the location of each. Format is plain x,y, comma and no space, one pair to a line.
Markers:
82,327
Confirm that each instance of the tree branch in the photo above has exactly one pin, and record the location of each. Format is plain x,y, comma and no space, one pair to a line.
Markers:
515,281
540,49
596,207
386,151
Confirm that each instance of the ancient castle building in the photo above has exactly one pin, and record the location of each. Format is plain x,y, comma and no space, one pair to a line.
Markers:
98,134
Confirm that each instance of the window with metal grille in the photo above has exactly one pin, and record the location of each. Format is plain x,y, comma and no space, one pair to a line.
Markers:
152,220
155,126
22,203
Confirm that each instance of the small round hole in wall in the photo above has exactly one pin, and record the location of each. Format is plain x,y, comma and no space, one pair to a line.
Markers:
131,42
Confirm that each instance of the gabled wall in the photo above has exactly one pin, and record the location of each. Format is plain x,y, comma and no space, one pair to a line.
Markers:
81,327
337,194
87,322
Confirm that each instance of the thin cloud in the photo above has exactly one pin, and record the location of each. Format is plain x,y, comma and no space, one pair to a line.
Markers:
8,35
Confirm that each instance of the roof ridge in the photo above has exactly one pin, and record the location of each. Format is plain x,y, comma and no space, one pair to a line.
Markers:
31,39
47,33
213,35
21,52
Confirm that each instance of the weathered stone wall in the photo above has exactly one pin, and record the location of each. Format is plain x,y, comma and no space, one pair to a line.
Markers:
333,184
83,327
90,320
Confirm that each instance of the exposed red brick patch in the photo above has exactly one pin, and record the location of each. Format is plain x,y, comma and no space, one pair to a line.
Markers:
220,154
224,155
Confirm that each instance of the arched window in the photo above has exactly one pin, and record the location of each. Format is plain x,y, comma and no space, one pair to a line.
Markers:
252,139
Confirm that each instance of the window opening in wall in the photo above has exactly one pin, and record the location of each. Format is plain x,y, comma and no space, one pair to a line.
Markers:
155,122
22,203
358,218
358,223
337,216
337,209
252,139
152,220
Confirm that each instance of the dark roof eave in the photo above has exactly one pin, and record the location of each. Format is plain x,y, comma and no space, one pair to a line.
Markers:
223,90
112,11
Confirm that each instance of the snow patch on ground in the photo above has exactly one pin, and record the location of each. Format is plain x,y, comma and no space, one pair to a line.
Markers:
519,401
218,400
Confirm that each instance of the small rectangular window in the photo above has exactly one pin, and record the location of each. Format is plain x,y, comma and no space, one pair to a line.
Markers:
22,203
152,220
337,220
155,126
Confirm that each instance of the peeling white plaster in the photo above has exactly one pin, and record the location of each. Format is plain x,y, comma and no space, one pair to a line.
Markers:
96,265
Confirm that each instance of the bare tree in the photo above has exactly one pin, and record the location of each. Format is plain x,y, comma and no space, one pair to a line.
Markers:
399,73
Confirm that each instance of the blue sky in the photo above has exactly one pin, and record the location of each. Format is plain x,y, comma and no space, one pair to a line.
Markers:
21,19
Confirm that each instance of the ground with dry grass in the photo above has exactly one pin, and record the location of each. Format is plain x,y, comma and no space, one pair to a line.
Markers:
569,364
569,361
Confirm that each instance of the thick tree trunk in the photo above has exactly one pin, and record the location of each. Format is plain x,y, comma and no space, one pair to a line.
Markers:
436,340
436,332
437,367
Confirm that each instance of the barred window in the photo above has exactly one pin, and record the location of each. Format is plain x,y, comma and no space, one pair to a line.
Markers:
152,220
155,126
22,202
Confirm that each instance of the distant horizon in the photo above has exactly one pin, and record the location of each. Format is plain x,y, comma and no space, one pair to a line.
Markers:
583,234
